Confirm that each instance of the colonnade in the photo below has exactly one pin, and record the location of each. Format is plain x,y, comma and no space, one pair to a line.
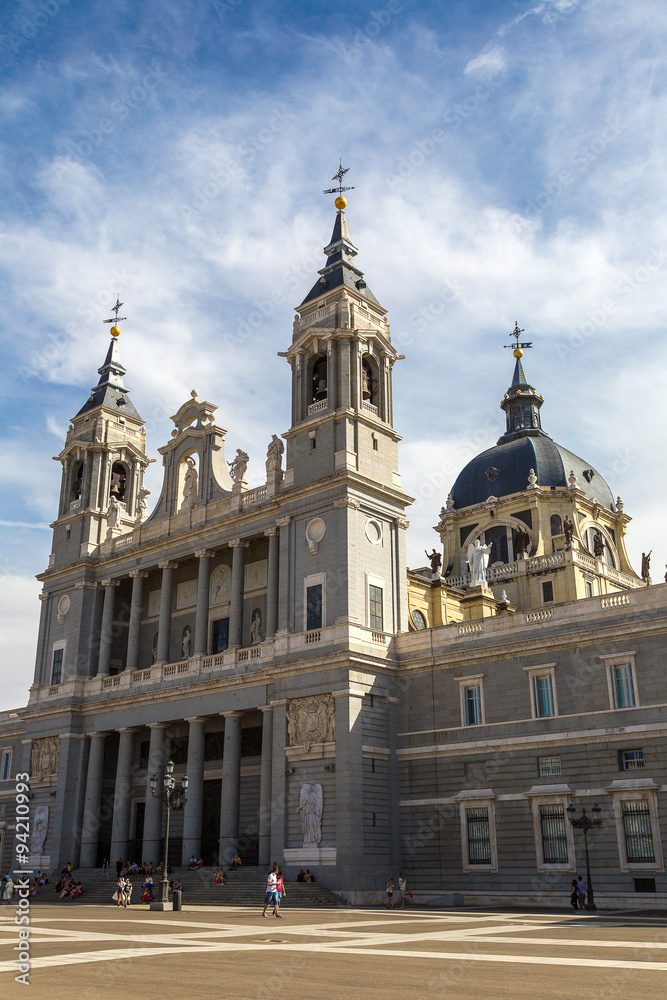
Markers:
200,643
271,822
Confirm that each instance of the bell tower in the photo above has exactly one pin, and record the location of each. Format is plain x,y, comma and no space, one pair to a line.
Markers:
341,358
103,464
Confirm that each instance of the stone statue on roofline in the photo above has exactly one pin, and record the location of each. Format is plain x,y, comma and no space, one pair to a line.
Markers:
239,466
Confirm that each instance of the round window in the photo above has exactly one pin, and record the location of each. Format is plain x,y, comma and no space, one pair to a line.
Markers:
418,620
374,532
64,605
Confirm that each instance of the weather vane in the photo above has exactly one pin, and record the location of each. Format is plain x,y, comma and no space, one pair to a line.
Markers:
338,176
517,345
115,331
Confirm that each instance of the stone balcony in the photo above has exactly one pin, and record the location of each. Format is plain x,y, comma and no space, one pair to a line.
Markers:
552,560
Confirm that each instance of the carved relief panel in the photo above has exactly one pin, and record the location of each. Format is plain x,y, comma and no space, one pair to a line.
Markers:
311,720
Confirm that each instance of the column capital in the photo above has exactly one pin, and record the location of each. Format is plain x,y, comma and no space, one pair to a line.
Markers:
271,531
195,718
138,572
156,725
238,543
44,596
400,522
166,564
200,553
231,715
128,729
283,521
100,734
109,582
279,703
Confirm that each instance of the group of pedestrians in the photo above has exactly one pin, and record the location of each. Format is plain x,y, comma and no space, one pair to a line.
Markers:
275,890
403,891
578,893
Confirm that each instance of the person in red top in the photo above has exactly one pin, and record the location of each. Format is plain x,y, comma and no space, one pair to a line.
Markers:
278,894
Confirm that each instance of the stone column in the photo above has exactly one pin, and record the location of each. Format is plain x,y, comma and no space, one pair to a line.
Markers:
92,806
265,786
231,783
394,787
236,606
285,602
344,374
134,629
66,812
192,817
164,625
201,620
273,583
278,782
106,632
120,825
152,843
349,788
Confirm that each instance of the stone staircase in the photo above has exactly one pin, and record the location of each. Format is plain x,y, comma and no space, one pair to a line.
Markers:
246,886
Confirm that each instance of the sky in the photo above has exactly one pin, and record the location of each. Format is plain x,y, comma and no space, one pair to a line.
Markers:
508,162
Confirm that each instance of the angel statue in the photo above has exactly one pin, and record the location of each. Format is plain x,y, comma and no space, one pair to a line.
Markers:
310,807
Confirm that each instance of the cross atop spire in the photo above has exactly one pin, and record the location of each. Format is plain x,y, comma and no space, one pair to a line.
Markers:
338,176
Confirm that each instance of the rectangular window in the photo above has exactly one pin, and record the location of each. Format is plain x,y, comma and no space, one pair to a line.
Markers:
375,608
57,668
479,836
547,592
5,765
554,835
220,635
544,702
548,766
589,588
638,835
472,706
630,760
314,607
623,688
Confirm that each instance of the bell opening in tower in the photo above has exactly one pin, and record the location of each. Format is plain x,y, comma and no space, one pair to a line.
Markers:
319,387
118,481
369,382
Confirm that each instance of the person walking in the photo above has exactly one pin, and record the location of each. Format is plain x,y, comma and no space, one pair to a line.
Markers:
581,890
105,869
402,888
574,894
271,881
120,891
390,894
280,892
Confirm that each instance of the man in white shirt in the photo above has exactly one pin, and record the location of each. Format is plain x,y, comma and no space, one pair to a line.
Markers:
402,888
271,880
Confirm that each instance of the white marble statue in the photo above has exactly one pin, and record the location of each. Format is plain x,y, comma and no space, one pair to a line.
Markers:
239,466
256,627
274,456
186,642
478,560
310,807
40,825
142,506
190,484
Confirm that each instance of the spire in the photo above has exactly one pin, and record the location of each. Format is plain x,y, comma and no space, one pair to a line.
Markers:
521,402
340,269
110,391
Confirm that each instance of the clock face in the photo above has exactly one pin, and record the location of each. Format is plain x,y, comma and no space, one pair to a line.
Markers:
418,620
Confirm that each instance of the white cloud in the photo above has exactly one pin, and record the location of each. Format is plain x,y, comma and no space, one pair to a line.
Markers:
490,63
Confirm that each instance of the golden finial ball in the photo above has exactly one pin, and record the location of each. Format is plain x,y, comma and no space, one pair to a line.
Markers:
518,353
115,331
341,203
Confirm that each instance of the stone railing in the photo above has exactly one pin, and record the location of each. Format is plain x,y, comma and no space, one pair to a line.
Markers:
253,496
623,578
541,615
471,628
547,561
74,504
124,541
317,407
369,406
584,559
313,636
615,601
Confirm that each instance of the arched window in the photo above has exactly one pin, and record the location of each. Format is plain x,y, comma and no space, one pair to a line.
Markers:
77,480
369,381
319,383
118,481
516,422
527,418
556,524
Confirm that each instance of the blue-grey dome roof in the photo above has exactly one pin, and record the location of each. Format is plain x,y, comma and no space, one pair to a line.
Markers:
504,469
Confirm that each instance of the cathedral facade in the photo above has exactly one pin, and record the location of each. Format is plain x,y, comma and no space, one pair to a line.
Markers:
331,709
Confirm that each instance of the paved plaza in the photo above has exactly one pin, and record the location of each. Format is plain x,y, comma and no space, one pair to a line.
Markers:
94,952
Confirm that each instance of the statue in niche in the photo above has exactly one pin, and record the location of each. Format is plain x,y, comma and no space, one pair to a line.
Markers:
39,829
190,484
310,807
598,545
568,530
142,506
646,565
186,642
45,757
239,466
113,513
435,560
274,456
154,649
256,627
311,720
478,560
521,544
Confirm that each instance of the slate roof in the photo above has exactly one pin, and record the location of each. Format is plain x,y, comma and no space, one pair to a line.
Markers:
340,268
110,391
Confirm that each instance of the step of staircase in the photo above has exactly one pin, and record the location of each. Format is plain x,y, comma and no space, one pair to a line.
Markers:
246,886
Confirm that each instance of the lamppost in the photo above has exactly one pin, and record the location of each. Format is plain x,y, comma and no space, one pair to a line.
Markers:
174,798
586,824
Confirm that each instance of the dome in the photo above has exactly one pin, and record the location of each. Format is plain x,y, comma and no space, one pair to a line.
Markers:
504,469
